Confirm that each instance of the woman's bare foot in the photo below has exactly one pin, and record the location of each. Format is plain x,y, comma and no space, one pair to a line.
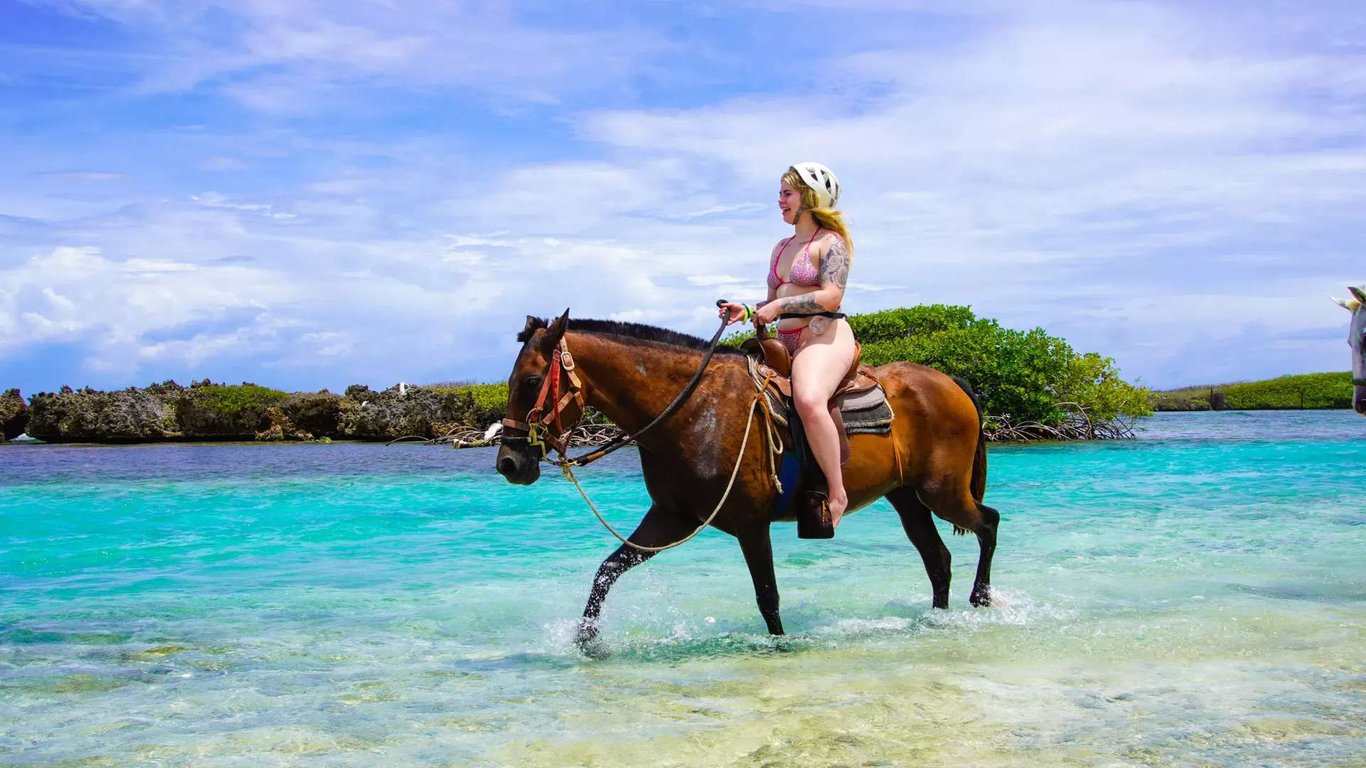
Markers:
838,504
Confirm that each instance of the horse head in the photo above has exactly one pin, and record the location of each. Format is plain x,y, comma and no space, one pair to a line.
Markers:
536,414
1356,337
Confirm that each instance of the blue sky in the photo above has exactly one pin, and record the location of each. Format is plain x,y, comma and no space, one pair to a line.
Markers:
314,194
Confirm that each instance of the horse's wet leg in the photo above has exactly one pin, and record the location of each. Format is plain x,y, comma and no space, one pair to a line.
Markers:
957,506
617,563
986,538
918,522
658,528
758,550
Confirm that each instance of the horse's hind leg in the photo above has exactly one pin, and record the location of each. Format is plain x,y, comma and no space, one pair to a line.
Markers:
918,523
958,507
656,529
986,540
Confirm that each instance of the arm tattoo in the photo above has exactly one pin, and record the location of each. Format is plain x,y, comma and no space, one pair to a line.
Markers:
835,265
805,304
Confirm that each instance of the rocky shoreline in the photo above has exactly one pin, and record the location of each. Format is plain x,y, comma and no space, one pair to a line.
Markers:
204,411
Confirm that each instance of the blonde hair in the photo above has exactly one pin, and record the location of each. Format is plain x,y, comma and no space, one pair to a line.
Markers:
825,218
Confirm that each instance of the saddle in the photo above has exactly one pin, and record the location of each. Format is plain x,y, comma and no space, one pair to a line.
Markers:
776,358
859,391
858,406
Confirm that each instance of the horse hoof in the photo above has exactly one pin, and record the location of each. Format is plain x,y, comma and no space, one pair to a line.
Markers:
588,643
593,648
981,597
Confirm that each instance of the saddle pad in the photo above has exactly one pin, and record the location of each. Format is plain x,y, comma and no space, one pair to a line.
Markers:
866,413
862,401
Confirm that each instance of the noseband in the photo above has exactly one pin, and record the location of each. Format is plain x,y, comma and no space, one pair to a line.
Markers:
545,427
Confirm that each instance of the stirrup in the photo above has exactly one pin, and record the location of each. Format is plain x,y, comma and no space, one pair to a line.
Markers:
813,516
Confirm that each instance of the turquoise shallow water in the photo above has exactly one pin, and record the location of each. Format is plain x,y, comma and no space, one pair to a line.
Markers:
1194,597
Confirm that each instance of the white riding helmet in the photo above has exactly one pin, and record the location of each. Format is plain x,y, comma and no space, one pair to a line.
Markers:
821,179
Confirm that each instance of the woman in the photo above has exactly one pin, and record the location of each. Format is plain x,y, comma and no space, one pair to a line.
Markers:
806,278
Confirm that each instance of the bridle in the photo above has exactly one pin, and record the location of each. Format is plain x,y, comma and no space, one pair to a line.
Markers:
547,428
544,427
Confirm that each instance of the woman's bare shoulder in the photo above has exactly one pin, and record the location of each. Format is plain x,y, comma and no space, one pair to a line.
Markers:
828,239
827,242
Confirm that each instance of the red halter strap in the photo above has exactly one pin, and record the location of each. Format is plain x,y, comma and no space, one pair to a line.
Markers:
538,419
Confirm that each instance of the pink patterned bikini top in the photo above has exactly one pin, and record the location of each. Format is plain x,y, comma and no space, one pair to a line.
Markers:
803,272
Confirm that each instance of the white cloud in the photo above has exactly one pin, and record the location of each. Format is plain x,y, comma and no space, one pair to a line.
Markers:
1134,177
223,164
82,176
71,292
299,57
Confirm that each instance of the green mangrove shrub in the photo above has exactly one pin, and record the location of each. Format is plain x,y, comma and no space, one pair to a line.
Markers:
1306,390
1021,376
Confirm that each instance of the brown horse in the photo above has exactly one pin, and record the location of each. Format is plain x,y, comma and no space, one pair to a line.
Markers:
934,459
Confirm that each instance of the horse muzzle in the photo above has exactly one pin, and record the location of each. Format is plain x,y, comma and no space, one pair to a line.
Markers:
519,468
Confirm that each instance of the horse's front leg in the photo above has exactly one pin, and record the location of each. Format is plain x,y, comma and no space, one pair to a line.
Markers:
659,527
758,549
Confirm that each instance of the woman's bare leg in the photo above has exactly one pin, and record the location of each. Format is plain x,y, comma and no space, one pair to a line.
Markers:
817,370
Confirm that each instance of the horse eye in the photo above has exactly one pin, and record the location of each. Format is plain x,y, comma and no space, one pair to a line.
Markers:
531,382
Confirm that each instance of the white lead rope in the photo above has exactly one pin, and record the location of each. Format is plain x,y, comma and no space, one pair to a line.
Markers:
565,466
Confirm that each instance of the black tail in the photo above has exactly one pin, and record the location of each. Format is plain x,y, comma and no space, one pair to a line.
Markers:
979,461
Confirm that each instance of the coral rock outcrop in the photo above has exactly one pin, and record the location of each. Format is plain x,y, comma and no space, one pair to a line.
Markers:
14,414
126,416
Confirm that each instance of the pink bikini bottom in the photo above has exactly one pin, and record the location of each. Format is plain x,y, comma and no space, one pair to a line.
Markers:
791,339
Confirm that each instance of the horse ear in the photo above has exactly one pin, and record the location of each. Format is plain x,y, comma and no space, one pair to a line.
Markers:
531,324
1359,292
556,330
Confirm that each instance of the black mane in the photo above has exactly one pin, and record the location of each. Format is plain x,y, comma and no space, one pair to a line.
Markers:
635,331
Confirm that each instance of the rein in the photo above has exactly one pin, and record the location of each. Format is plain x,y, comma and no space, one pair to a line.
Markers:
621,441
538,421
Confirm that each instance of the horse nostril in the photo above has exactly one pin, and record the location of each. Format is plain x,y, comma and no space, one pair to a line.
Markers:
507,465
